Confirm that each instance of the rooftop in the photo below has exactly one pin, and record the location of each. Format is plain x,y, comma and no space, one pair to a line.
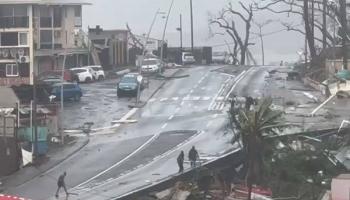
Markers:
45,2
11,99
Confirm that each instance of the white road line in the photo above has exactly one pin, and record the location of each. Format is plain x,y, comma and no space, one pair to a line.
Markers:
152,100
171,117
118,163
175,98
208,124
214,99
182,103
163,99
215,116
196,98
177,148
237,80
177,110
220,98
166,124
206,98
191,91
186,98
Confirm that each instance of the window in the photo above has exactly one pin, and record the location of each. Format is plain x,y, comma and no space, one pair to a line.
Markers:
45,39
77,11
9,39
23,39
11,70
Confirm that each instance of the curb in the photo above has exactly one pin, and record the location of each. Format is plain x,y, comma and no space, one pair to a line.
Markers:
53,165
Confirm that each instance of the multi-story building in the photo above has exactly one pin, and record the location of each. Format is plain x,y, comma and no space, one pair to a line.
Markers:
36,36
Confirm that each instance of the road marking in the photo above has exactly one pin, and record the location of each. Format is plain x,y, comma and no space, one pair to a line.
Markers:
191,91
121,161
196,98
182,103
209,123
177,110
175,98
215,116
186,98
220,98
237,80
152,100
125,117
163,99
206,98
171,117
213,100
166,124
177,148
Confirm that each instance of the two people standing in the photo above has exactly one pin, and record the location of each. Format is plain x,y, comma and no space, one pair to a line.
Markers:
193,156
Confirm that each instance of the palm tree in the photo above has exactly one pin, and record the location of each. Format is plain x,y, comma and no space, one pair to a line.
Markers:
254,125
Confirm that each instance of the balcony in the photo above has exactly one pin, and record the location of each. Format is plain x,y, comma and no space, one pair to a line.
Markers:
14,22
46,22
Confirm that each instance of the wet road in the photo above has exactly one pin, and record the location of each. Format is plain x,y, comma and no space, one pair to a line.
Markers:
99,102
195,106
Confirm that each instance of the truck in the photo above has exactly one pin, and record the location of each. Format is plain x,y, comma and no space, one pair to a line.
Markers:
188,58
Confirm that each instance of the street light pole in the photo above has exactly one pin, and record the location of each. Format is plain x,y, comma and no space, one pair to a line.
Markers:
181,32
165,26
62,97
191,7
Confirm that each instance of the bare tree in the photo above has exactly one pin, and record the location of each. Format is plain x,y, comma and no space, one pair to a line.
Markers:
318,8
227,20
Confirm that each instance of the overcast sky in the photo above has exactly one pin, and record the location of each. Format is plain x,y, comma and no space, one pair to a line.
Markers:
114,14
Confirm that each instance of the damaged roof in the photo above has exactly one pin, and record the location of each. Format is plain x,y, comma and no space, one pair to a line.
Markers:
8,98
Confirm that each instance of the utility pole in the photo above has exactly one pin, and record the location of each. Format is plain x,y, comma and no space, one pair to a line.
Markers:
344,29
324,24
35,123
191,7
262,46
62,96
181,32
165,26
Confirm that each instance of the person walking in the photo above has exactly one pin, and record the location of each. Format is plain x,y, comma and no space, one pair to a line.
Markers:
193,156
180,161
61,184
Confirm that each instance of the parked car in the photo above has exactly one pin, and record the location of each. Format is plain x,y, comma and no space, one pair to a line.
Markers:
97,72
82,75
188,58
70,91
150,65
50,80
220,57
128,85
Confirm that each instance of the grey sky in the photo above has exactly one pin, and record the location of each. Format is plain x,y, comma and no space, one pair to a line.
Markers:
114,14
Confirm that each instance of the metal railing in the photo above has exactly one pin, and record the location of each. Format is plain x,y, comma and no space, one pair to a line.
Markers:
14,22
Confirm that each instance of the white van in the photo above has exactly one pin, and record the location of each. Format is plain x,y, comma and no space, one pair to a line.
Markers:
188,58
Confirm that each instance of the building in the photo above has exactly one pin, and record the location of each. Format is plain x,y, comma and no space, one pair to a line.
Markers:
111,46
36,34
340,188
9,150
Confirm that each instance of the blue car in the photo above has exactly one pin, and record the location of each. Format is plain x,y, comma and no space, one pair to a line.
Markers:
70,91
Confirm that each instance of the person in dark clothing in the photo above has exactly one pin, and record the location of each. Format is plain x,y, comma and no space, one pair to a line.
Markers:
249,101
61,183
193,156
180,161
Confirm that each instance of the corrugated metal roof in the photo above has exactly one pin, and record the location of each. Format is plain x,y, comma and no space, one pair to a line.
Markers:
46,2
8,98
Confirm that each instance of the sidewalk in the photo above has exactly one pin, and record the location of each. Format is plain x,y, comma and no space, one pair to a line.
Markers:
54,157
